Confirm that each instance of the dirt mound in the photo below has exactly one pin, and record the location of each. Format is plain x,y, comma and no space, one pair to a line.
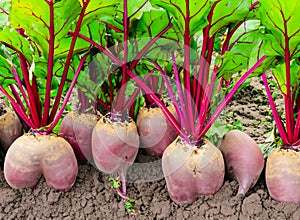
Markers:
91,198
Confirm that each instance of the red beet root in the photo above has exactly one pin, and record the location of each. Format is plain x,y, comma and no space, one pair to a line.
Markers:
243,158
283,175
10,128
191,171
114,145
156,134
77,130
30,156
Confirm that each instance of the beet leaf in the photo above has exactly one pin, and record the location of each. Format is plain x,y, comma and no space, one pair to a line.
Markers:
282,35
40,61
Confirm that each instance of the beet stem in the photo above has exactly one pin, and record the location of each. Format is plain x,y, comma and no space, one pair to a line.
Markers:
68,60
276,116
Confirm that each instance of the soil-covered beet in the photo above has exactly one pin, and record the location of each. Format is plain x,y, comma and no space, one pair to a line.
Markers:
283,175
91,196
77,130
191,171
155,132
243,159
33,155
10,127
115,145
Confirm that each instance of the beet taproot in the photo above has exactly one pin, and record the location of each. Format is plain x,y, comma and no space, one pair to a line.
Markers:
244,160
155,132
10,127
114,145
191,170
77,130
283,175
33,155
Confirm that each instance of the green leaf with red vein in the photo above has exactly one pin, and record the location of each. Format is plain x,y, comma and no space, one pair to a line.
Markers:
4,12
101,10
279,71
151,24
31,16
96,31
282,41
6,77
228,12
136,8
282,19
12,39
198,11
245,49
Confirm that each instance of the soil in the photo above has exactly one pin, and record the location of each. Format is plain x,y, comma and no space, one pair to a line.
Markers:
91,197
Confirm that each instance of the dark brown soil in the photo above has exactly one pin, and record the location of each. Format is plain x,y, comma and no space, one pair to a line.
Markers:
92,198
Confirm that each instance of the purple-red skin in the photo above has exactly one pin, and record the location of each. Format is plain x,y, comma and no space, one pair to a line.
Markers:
31,156
114,145
77,130
191,171
283,175
155,132
244,160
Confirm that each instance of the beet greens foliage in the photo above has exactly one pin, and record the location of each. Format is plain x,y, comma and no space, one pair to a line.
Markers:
216,39
281,41
122,41
39,61
194,46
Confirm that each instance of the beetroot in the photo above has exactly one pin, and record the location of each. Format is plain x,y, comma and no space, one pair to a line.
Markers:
77,130
114,145
41,64
191,171
156,133
283,175
243,158
33,155
10,128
